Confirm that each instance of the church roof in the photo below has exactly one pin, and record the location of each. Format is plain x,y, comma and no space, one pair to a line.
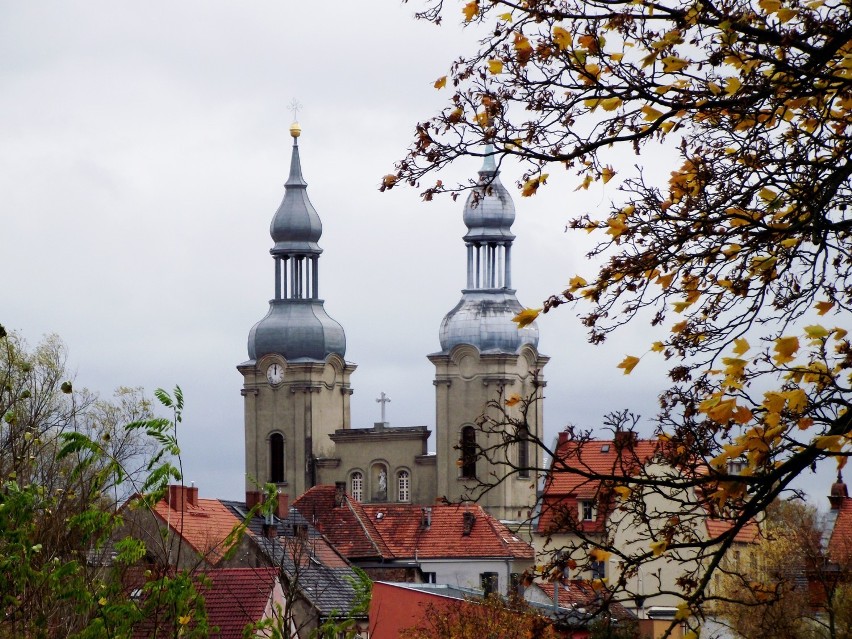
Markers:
840,542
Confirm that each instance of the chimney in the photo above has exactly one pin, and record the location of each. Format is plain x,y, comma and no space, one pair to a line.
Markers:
838,493
177,497
425,518
625,439
192,495
467,523
282,506
252,498
339,493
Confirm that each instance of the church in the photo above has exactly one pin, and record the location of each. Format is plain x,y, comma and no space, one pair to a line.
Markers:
297,382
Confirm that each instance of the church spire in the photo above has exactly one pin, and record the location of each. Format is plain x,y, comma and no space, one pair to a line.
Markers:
297,325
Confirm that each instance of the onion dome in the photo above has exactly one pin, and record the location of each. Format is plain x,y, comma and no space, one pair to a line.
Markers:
297,325
489,211
296,225
484,320
483,316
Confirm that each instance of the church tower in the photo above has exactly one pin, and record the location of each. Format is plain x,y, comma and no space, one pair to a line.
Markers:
484,354
295,382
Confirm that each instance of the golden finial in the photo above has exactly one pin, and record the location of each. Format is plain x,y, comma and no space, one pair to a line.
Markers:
295,129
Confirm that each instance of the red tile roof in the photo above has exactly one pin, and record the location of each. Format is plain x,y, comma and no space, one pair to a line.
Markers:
395,531
204,526
401,527
348,527
580,593
236,597
840,542
575,475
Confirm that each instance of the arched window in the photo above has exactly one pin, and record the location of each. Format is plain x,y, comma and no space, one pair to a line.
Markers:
523,452
403,485
356,485
276,458
468,452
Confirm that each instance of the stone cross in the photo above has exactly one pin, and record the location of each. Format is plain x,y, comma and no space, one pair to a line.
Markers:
383,400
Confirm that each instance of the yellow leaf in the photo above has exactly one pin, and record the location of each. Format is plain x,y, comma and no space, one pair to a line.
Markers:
723,411
741,346
680,306
495,66
622,491
816,331
514,399
526,317
672,64
650,113
441,82
577,282
774,402
785,349
610,104
102,601
585,183
666,280
732,85
797,400
683,611
823,307
607,173
770,6
742,415
628,364
184,619
658,547
505,17
658,347
767,194
562,38
616,226
531,186
521,44
831,443
470,10
679,327
599,554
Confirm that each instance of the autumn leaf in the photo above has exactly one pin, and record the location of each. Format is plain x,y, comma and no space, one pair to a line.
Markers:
732,85
576,282
741,346
628,364
512,400
823,307
599,554
526,317
785,349
389,180
607,173
659,547
531,186
622,491
672,64
441,82
658,347
505,17
495,66
816,331
562,38
470,10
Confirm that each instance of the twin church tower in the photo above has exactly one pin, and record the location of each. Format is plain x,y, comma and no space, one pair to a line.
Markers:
297,382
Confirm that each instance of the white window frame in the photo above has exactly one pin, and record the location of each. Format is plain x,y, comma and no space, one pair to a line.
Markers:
589,505
356,485
403,485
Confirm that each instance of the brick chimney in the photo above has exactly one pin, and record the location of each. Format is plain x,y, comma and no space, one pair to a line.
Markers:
467,523
181,496
625,439
252,498
282,506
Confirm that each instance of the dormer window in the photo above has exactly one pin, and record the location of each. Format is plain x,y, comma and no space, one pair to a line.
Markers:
587,510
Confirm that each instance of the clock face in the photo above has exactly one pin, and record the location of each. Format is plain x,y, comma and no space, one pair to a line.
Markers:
275,373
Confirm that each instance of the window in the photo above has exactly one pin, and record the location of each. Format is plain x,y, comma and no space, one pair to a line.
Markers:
523,453
588,512
598,569
429,578
403,486
356,485
468,452
276,458
489,582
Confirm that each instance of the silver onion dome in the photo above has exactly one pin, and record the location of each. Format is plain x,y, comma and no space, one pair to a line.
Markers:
483,316
484,320
297,325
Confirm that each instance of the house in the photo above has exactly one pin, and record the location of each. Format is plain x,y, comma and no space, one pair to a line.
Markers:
458,544
586,503
314,584
237,597
397,607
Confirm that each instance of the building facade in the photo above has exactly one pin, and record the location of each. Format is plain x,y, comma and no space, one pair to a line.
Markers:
296,382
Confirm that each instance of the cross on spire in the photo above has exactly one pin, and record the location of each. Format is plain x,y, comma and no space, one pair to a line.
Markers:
294,106
383,400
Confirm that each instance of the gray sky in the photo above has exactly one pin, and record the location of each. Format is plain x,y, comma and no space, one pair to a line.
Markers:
144,151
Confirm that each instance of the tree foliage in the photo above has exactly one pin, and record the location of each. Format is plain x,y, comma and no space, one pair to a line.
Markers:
789,583
65,458
480,619
739,260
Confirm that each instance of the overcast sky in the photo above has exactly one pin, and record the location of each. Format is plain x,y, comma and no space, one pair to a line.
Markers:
143,151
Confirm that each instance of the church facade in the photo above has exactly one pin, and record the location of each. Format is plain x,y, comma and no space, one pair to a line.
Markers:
296,382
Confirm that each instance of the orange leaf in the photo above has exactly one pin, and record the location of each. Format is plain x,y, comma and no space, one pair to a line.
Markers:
823,307
441,82
526,317
628,364
470,10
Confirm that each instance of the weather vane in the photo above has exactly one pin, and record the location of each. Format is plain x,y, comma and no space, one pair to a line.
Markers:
294,106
